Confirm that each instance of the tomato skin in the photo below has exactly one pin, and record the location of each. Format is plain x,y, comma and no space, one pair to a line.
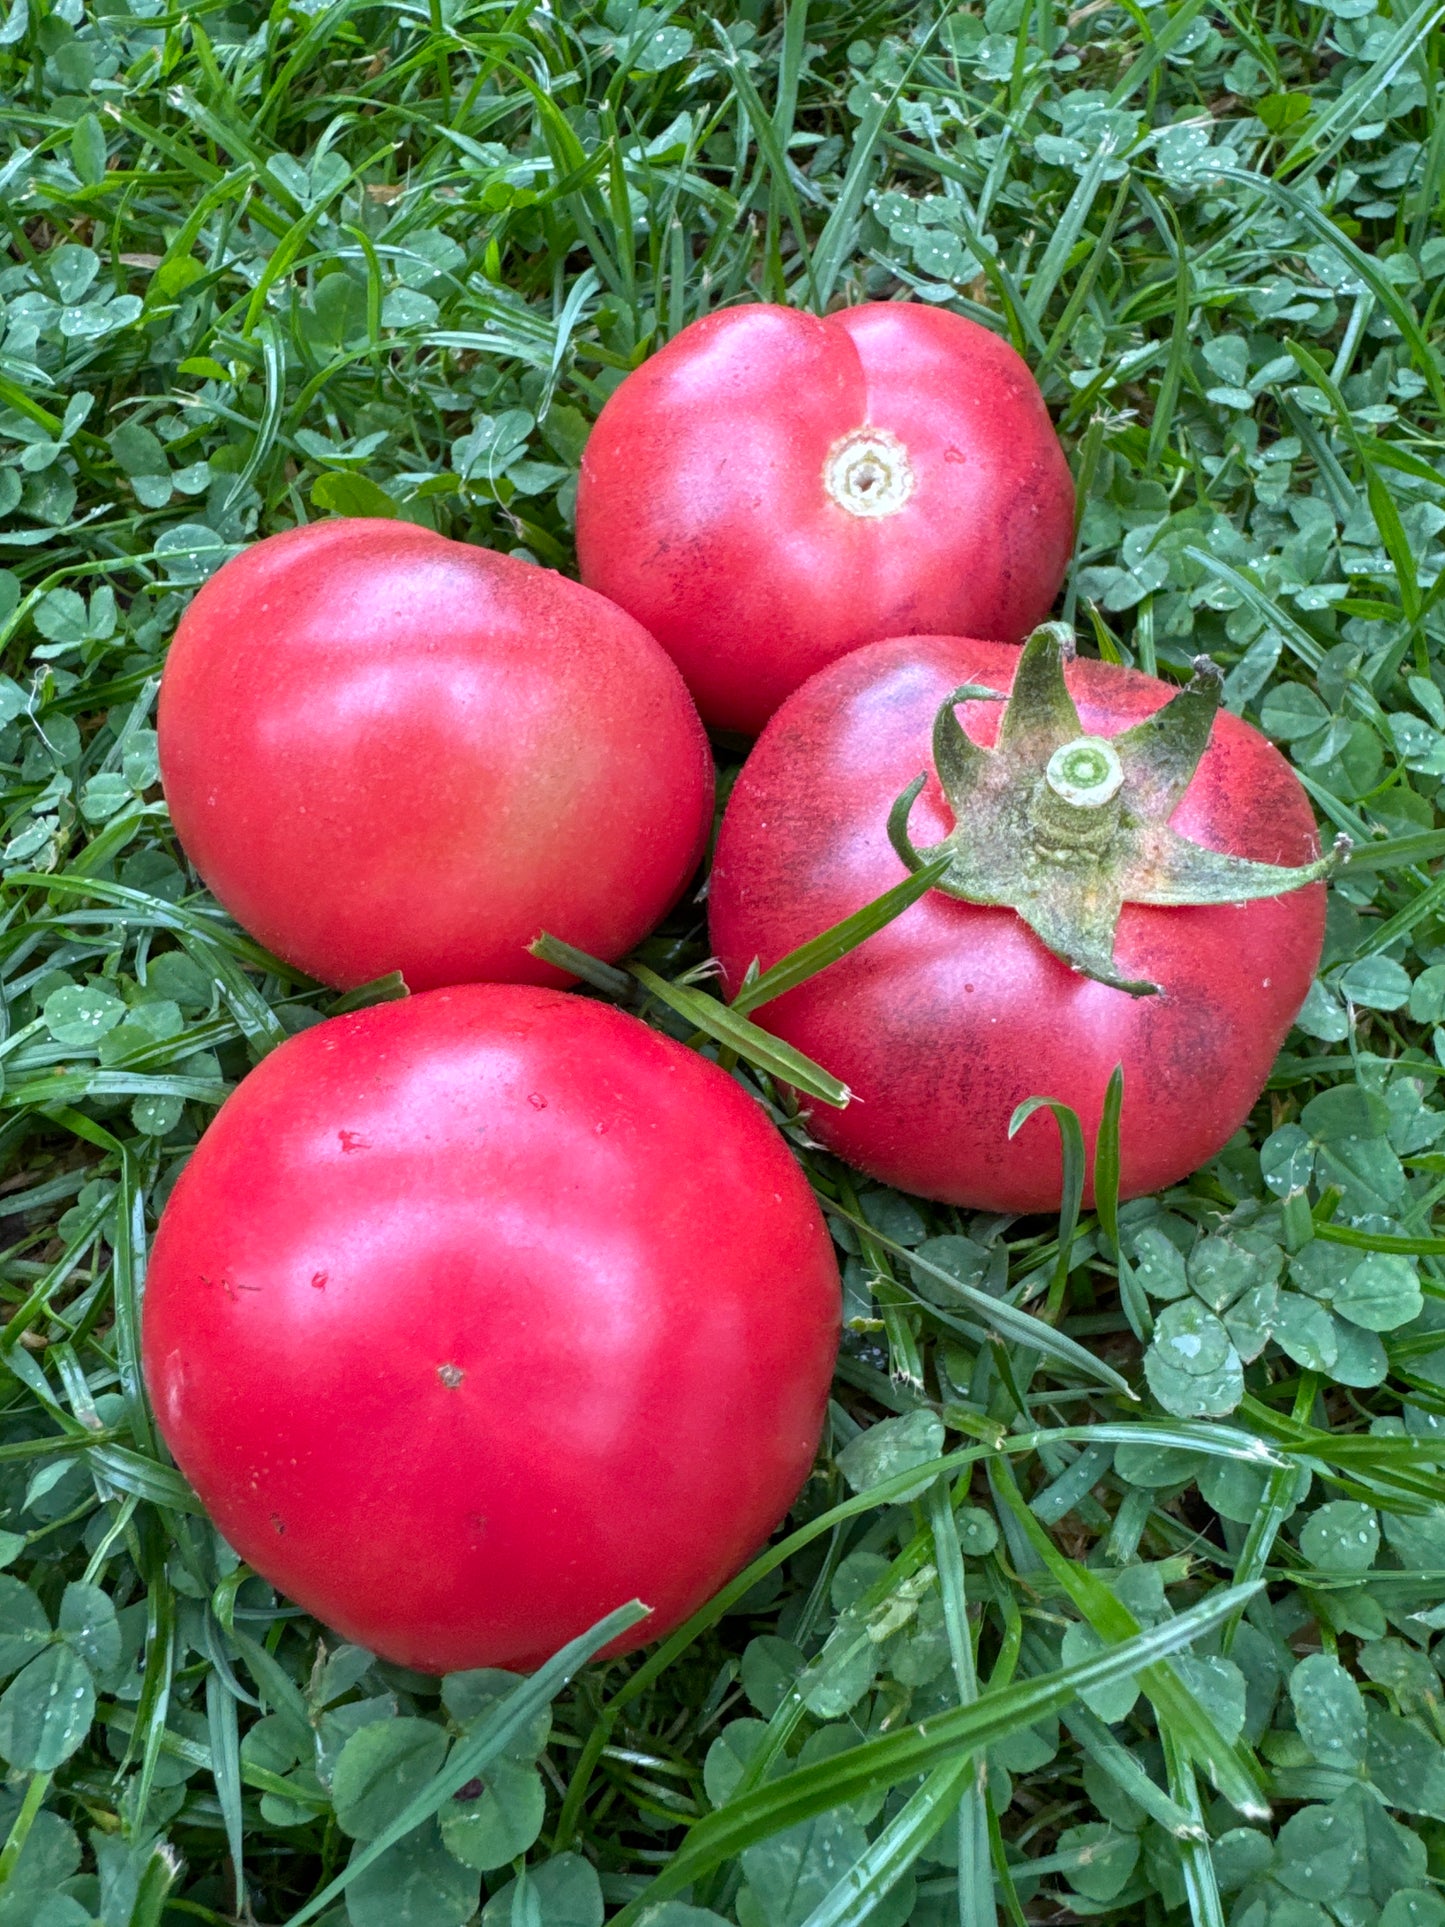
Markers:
951,1015
477,1315
384,750
702,508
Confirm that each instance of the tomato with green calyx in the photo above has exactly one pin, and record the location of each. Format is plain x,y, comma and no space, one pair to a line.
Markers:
1128,877
383,750
477,1315
772,490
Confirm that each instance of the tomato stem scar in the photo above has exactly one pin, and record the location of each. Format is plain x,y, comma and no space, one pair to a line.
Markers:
867,472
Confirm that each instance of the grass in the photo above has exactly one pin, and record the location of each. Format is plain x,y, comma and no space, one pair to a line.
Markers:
1030,1649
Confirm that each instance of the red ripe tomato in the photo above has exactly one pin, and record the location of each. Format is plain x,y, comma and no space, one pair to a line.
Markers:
386,751
477,1315
772,490
954,1013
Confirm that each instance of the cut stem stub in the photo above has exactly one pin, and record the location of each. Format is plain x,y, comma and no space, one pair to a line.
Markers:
868,473
1066,828
1086,772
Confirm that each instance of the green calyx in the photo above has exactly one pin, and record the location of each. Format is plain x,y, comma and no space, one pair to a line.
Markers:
1066,828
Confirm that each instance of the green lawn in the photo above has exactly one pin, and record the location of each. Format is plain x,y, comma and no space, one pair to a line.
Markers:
267,265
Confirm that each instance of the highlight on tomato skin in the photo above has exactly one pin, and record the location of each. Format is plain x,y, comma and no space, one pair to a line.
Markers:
475,1316
954,1013
772,490
384,750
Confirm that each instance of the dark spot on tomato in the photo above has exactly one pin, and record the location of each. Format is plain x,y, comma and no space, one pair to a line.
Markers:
227,1285
318,1281
353,1141
280,1525
450,1375
537,1101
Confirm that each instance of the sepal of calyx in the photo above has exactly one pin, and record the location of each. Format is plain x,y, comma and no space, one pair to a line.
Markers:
1066,828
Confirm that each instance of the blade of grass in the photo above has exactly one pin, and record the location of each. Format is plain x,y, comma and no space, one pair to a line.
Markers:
1179,1708
471,1755
1071,1149
1201,1886
1099,253
1125,1771
836,942
836,241
577,963
996,1314
880,1763
770,151
1397,852
1299,640
1324,137
1106,1201
1167,399
1361,264
1382,505
1159,48
226,1772
975,1886
1046,276
724,1026
892,1852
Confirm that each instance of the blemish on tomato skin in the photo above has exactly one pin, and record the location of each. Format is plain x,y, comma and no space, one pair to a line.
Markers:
353,1141
280,1525
318,1281
228,1285
450,1375
537,1101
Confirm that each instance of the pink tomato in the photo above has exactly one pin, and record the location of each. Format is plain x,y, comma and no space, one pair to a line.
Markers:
477,1315
384,750
772,490
950,1016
